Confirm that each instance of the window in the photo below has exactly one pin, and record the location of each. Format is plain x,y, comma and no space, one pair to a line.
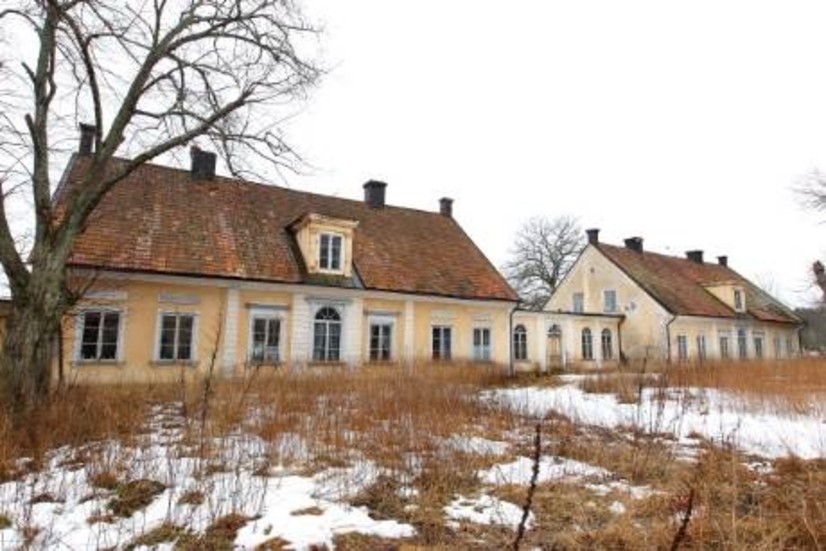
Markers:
327,336
682,348
778,349
177,331
724,353
607,345
610,300
381,342
758,346
481,344
587,344
330,252
789,347
579,302
266,338
520,343
738,300
742,344
99,336
701,347
442,336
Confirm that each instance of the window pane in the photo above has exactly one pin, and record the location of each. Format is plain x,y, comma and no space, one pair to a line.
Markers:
167,348
109,338
335,253
185,325
320,341
89,339
324,252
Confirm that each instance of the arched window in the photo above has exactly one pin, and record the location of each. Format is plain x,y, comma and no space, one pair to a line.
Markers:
520,343
327,336
607,345
587,344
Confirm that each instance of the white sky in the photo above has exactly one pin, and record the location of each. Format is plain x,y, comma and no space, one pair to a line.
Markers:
686,123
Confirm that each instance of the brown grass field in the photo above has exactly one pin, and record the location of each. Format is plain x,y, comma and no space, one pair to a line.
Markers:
400,419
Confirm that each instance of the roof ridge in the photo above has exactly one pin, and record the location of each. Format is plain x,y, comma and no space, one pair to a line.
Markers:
281,187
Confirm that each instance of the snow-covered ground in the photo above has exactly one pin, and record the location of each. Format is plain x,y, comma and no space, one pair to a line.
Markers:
682,413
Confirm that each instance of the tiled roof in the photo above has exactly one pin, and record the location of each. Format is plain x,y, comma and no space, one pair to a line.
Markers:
160,219
680,285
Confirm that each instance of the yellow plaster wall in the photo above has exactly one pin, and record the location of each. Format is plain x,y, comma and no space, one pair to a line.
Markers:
712,328
462,318
140,312
642,330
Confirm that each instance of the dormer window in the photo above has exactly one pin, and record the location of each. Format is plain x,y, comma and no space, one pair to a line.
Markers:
738,300
330,252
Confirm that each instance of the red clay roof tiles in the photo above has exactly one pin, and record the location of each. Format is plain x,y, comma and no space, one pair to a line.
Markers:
160,219
680,285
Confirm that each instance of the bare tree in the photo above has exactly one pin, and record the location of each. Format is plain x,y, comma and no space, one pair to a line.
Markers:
812,194
543,252
149,76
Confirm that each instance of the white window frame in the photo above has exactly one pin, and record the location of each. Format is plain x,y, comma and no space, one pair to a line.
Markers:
739,300
377,320
742,344
441,357
343,252
578,305
724,354
481,353
682,348
79,324
265,314
612,307
702,350
589,357
759,351
196,323
520,345
606,332
338,309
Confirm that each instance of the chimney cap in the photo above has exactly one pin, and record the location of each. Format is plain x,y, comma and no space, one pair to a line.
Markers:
87,138
446,206
374,193
634,244
593,235
203,163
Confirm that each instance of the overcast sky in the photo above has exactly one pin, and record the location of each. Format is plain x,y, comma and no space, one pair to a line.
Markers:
686,123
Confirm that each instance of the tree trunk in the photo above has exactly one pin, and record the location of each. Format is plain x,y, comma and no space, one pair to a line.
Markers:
32,330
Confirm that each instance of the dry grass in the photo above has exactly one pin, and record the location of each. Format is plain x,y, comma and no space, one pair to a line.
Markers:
400,420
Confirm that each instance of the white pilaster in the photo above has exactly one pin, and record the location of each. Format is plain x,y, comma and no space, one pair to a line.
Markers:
541,337
230,331
409,332
300,324
353,327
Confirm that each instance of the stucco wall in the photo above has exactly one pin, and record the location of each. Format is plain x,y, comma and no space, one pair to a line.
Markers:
643,331
713,328
224,314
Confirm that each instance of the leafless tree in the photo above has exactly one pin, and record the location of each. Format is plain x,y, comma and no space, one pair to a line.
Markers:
811,191
543,252
150,77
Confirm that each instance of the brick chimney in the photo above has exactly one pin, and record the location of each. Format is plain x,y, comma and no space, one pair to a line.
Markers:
593,236
374,192
634,244
695,256
446,206
203,163
722,260
87,139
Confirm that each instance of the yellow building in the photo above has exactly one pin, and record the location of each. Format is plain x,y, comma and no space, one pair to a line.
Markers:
672,308
188,271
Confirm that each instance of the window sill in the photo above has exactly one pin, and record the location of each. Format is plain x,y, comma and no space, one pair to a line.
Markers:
173,363
98,363
318,363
